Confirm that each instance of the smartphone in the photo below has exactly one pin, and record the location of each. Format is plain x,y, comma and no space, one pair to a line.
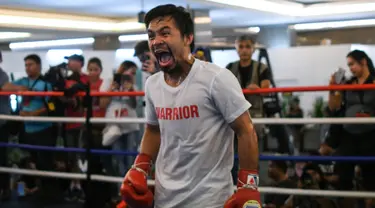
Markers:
21,189
339,76
117,78
144,58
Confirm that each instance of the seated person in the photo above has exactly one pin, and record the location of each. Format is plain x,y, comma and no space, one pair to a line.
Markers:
277,171
307,181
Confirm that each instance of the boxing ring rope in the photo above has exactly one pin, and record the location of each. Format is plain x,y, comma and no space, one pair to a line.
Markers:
256,91
269,121
111,179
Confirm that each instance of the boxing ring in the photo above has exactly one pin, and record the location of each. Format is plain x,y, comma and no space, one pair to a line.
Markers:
88,120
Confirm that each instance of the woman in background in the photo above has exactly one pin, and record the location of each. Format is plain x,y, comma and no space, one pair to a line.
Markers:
122,137
355,139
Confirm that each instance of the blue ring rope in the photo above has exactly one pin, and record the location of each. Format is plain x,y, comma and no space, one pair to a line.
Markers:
261,157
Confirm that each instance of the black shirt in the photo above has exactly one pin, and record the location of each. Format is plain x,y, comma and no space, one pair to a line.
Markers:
279,199
247,72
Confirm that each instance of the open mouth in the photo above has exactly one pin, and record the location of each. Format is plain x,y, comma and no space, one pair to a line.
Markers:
165,58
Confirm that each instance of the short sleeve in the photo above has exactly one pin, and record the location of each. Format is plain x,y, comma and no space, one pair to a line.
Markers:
227,96
3,78
265,75
151,116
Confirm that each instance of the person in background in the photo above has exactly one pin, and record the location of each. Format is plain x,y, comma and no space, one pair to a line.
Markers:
4,110
37,133
307,181
148,60
250,76
356,139
29,184
73,131
94,69
295,111
277,171
122,136
202,54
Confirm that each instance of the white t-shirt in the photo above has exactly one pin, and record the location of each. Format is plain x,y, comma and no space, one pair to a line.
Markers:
193,167
120,107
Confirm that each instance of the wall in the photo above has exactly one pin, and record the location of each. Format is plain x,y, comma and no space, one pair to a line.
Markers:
297,66
364,35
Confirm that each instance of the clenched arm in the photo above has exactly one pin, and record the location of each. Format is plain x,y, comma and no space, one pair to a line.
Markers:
247,142
151,141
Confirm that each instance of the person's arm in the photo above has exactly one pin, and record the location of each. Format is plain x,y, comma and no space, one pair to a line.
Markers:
151,138
38,112
334,97
247,142
134,189
288,203
133,99
11,87
4,79
265,78
229,100
107,86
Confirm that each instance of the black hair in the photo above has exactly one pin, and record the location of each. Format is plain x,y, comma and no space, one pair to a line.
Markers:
34,58
245,38
358,56
96,61
282,165
184,21
128,64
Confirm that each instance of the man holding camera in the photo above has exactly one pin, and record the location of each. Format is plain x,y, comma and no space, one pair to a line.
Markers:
142,52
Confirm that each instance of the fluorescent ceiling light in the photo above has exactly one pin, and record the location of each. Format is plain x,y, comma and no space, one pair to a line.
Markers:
299,10
252,30
121,53
202,20
14,35
278,7
51,43
132,38
334,25
12,18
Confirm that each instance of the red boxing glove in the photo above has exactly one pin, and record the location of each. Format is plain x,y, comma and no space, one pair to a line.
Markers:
247,195
134,189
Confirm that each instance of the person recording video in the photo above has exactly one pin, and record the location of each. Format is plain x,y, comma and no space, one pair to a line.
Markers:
121,136
353,139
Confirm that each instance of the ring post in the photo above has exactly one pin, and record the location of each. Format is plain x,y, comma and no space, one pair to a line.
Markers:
88,126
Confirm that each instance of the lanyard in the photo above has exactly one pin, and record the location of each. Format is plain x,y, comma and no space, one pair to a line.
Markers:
33,85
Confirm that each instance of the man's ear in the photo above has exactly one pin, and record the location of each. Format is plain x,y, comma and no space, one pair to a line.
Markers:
188,39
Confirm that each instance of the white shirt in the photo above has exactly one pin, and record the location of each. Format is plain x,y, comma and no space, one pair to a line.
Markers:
120,107
193,167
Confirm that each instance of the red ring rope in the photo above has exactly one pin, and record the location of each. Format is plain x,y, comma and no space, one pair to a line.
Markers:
246,91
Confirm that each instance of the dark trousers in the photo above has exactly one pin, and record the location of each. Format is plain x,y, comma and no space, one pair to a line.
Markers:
4,177
44,160
356,145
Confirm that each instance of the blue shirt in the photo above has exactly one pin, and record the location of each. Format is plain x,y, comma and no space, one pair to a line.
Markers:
33,103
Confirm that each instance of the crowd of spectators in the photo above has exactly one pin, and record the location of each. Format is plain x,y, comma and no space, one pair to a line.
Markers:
340,139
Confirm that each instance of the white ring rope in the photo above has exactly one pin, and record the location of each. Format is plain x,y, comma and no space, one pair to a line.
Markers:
268,121
111,179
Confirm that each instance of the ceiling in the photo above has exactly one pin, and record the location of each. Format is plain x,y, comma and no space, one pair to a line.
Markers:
223,16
